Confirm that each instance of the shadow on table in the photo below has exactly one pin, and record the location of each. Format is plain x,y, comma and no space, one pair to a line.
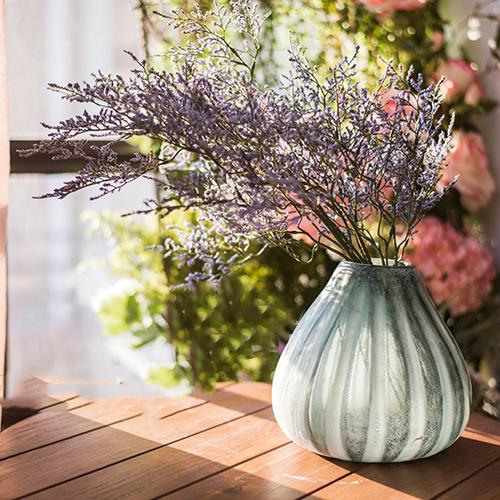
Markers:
111,463
423,478
242,397
108,458
87,460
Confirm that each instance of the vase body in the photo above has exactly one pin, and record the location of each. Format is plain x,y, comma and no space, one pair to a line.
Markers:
371,372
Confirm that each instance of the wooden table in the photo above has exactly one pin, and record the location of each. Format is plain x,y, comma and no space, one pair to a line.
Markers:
224,445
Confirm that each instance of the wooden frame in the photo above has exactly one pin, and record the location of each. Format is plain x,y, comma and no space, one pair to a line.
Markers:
43,164
4,182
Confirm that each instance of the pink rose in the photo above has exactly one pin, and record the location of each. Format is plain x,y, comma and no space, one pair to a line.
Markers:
457,269
437,40
474,94
303,225
389,6
469,161
461,80
405,105
389,100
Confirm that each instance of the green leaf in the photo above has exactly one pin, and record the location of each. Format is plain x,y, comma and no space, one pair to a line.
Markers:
169,376
146,335
119,313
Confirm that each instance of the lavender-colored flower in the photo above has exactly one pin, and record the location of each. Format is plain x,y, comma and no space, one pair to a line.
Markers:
245,157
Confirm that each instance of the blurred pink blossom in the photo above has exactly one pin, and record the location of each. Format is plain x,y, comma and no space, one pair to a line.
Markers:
394,101
389,6
308,227
437,40
388,98
296,222
457,269
474,94
461,80
468,160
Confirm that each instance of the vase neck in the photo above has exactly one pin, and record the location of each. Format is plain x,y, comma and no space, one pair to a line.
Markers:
381,276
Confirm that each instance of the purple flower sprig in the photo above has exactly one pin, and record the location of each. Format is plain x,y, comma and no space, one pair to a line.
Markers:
322,160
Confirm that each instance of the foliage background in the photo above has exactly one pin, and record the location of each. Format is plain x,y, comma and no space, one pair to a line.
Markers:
219,332
237,328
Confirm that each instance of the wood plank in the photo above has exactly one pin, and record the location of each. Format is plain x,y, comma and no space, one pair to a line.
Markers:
50,427
4,185
17,410
45,428
225,446
285,473
486,425
68,405
42,402
32,395
282,473
58,462
223,406
483,485
160,471
422,478
27,473
164,406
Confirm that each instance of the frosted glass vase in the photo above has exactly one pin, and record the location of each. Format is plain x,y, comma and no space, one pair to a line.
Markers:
371,372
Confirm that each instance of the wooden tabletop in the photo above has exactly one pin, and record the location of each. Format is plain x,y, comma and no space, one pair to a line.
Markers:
223,445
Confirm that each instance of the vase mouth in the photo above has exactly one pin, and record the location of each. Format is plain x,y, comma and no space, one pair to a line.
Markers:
377,264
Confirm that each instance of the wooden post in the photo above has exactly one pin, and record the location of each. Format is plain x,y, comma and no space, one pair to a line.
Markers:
4,183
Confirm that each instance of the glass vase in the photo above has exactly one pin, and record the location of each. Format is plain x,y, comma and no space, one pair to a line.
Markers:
371,372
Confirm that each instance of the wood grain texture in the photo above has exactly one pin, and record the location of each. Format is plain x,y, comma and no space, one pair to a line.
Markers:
222,445
423,478
223,406
43,467
488,426
285,473
83,416
160,471
481,486
49,427
292,471
4,183
32,394
132,437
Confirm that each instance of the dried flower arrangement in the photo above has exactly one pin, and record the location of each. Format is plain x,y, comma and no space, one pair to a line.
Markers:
322,160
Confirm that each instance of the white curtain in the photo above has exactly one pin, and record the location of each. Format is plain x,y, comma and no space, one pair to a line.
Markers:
61,41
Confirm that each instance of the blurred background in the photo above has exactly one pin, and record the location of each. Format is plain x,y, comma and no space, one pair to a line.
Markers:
52,329
78,270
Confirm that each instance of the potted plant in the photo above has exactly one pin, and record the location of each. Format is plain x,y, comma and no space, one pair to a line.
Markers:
371,372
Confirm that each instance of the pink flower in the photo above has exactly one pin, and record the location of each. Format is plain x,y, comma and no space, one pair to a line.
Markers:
474,94
388,98
469,161
461,80
404,103
437,40
298,223
389,6
457,269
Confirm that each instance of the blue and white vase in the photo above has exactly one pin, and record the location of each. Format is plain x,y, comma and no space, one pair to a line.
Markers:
371,372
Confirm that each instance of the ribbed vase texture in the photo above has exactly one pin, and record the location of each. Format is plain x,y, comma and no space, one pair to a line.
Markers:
371,372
